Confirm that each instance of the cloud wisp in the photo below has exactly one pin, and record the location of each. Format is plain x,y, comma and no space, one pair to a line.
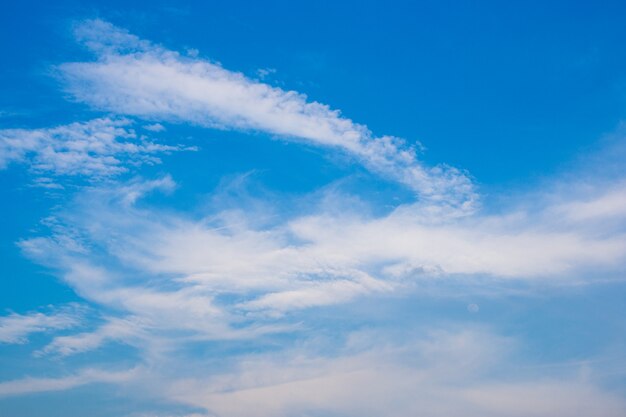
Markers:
30,385
15,328
99,148
221,277
135,77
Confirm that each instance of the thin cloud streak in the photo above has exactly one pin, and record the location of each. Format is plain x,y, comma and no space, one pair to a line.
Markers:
15,328
135,77
31,385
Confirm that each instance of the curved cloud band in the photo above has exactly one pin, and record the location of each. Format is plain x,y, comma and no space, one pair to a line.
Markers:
135,77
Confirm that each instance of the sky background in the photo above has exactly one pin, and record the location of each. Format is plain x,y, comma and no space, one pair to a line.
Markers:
312,209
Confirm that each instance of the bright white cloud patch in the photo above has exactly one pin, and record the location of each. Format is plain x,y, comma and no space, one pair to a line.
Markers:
97,148
135,77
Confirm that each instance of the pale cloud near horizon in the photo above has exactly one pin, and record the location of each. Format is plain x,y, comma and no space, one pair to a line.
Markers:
432,373
138,78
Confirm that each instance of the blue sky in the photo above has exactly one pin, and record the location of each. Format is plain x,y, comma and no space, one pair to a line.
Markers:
332,209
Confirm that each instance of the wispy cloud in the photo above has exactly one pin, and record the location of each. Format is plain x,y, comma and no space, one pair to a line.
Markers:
224,277
606,204
113,329
31,385
98,148
15,328
136,77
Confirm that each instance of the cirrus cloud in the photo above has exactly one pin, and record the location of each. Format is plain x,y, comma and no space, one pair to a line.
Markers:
135,77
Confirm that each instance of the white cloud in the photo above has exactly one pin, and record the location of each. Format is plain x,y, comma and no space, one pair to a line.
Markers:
605,203
222,277
314,293
15,328
98,148
31,385
510,249
264,73
114,329
155,127
135,77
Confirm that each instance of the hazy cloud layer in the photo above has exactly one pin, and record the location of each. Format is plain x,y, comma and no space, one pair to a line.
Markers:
442,373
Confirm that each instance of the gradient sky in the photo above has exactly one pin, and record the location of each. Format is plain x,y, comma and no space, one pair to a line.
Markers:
321,209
